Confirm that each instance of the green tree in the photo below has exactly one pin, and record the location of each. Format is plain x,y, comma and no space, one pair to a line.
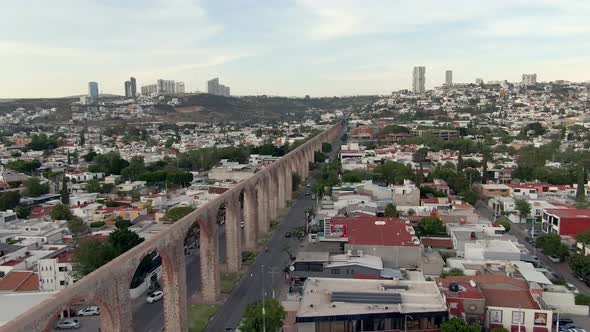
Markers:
391,210
123,239
550,244
89,157
91,253
135,169
458,325
499,329
92,186
61,212
391,172
581,189
580,264
507,225
355,176
431,226
35,188
23,212
452,273
177,213
82,138
65,195
77,226
9,200
583,237
110,163
326,147
24,166
523,207
273,319
122,223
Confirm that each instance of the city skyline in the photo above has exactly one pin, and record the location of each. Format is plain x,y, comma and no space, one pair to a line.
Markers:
290,48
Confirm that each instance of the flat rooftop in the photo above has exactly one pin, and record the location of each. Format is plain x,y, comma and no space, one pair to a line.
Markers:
328,297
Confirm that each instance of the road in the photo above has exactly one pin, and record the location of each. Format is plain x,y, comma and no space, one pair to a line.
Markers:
258,279
150,317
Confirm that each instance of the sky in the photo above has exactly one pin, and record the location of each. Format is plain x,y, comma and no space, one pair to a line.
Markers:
286,47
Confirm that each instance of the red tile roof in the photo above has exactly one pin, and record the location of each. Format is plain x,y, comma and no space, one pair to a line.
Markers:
12,262
466,291
381,231
570,213
20,281
437,243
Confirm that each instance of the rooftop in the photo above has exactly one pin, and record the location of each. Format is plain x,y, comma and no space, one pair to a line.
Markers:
325,297
569,213
20,281
382,231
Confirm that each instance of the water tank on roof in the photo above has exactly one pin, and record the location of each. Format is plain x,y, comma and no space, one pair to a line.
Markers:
454,287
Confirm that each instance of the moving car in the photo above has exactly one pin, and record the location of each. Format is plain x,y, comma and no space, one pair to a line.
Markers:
90,311
155,296
288,234
68,324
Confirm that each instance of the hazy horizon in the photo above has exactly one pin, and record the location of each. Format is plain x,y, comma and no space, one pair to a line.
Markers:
289,48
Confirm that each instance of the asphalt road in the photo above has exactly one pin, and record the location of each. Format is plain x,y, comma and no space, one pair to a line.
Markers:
258,280
150,317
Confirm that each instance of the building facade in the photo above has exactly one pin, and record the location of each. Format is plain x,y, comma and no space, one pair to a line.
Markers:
93,90
449,78
419,79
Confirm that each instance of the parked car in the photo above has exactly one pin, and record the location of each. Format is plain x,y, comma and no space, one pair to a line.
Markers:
288,234
90,311
68,324
155,296
562,321
530,240
554,259
572,288
567,326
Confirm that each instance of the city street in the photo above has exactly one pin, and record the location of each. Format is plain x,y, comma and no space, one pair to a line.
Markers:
258,279
519,231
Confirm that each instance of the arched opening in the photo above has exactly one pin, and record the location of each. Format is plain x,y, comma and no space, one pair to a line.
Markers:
146,292
85,314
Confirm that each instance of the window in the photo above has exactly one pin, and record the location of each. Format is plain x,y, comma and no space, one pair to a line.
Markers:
517,317
62,283
63,269
335,271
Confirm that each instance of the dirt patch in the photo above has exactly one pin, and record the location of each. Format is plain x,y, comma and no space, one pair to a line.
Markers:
189,109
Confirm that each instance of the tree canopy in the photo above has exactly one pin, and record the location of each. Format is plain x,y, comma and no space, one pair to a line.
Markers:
458,325
274,315
391,210
34,187
431,226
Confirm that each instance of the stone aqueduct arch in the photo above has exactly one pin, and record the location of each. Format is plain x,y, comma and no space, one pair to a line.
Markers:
263,195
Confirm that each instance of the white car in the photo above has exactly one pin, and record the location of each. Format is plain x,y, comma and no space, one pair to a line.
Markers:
90,311
68,324
572,288
155,296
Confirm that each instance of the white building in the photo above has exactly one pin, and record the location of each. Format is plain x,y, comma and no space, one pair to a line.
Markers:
165,86
529,79
419,79
55,273
179,87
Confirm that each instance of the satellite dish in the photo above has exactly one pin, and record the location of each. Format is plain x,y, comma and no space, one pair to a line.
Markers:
291,268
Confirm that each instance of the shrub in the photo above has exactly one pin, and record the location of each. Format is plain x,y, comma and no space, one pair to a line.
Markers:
97,224
582,299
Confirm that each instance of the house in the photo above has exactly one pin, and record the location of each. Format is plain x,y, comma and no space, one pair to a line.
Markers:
406,195
55,272
389,238
509,302
324,264
464,298
19,281
565,221
494,190
330,304
461,234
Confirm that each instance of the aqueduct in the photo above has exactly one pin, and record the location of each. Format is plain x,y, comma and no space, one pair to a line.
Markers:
264,194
